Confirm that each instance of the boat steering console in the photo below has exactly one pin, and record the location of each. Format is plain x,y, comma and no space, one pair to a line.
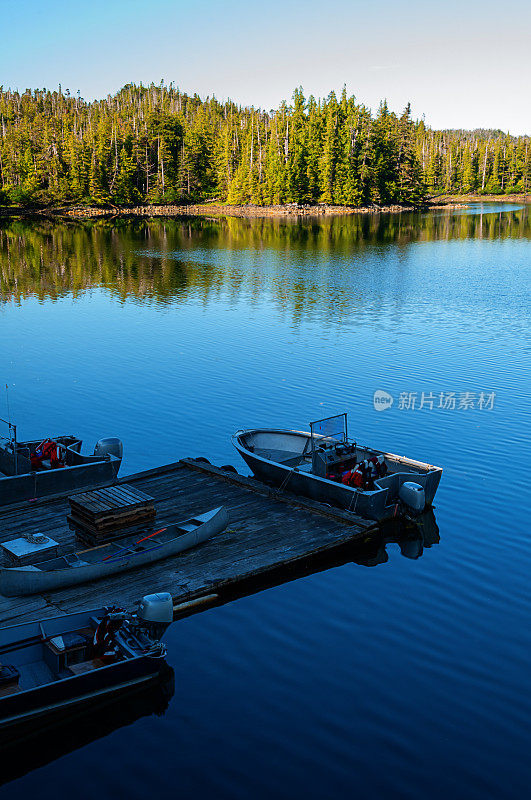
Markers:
326,459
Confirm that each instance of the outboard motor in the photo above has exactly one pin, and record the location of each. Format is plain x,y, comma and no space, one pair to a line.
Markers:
111,446
155,613
413,495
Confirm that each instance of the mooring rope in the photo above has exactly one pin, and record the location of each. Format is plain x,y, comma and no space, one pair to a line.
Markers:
286,479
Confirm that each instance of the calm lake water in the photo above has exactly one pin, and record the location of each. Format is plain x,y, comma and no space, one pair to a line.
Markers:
407,678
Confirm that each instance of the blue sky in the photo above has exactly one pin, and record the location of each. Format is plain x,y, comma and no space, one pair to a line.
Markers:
460,64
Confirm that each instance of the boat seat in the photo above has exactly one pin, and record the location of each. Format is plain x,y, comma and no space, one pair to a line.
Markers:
9,675
74,560
130,550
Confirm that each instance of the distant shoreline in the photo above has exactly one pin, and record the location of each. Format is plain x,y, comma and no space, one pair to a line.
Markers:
479,198
214,209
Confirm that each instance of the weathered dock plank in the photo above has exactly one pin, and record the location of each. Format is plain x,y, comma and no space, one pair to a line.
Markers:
268,530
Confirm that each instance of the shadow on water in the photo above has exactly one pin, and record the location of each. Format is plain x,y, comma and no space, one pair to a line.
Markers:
411,536
32,747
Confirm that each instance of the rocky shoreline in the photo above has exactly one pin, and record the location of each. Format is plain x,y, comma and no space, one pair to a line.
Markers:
216,210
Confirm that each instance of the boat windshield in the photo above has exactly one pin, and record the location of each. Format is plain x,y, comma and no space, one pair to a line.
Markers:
332,429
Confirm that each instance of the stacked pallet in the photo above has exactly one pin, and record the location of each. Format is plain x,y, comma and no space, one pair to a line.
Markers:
102,515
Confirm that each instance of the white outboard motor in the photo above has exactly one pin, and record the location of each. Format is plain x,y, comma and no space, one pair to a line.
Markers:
111,446
413,495
155,613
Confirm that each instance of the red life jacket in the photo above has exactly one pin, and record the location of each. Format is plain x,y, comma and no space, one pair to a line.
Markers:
378,466
49,449
51,452
46,450
353,477
363,475
358,479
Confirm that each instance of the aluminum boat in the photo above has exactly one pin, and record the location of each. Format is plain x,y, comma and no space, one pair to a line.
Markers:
68,662
326,465
55,465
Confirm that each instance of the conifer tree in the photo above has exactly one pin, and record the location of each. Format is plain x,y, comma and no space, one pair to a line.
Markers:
328,163
157,144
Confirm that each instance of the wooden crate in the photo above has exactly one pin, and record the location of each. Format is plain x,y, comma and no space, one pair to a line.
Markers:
102,514
90,538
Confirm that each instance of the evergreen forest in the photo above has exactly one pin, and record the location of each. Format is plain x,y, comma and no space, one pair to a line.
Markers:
156,144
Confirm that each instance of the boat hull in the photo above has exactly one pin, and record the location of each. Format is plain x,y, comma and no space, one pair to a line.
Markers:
24,580
29,745
378,504
55,698
18,483
64,696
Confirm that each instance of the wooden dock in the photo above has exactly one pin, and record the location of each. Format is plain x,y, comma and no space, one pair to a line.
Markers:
270,532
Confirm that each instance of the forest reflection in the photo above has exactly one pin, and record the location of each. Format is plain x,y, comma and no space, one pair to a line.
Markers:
164,260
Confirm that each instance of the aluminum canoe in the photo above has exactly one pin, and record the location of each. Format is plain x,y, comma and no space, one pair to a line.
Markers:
113,558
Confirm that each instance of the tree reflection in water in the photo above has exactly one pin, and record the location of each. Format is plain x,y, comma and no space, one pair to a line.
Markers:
168,260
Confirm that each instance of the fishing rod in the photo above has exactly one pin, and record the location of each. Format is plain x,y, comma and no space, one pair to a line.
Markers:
124,555
143,539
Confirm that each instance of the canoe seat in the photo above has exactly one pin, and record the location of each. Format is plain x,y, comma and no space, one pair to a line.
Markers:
74,560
